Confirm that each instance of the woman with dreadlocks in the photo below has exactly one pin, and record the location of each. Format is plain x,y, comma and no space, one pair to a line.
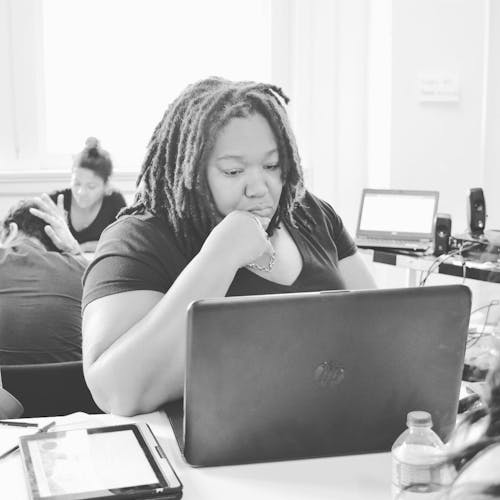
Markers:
220,210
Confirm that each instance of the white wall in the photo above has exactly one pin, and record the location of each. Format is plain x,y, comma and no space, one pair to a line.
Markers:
21,85
448,146
311,83
492,121
328,81
7,141
439,145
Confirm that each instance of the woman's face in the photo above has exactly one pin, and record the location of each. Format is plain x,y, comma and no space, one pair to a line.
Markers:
87,188
243,170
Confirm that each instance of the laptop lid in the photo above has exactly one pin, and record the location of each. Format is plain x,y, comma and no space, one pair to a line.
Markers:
397,214
312,374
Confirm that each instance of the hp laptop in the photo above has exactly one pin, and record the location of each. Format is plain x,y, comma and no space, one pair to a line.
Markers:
290,376
397,219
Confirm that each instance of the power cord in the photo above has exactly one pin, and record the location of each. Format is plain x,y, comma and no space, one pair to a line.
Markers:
443,258
474,340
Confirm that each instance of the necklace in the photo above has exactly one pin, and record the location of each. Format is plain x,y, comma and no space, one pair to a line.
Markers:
267,268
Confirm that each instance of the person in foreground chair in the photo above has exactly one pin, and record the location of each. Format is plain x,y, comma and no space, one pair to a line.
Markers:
90,203
221,210
41,267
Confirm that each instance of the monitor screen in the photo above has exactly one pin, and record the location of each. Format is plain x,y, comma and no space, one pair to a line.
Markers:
398,212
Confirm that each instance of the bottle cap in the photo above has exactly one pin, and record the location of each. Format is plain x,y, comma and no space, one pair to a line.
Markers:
419,419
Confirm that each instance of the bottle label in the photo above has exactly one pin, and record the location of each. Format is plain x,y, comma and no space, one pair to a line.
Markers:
405,474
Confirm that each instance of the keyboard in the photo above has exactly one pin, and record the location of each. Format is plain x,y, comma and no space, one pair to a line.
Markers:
414,246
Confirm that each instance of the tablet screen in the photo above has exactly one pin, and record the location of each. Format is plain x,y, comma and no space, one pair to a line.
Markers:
81,463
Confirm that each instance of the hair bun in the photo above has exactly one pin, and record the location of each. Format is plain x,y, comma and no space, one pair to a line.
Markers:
92,143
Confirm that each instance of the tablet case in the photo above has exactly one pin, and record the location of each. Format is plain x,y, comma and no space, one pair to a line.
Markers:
42,460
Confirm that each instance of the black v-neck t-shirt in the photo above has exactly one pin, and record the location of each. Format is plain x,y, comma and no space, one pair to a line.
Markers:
140,252
112,203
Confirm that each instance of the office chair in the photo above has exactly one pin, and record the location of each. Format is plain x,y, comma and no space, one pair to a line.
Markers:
10,407
49,388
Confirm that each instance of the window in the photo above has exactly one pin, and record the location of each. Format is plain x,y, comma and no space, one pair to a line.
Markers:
111,67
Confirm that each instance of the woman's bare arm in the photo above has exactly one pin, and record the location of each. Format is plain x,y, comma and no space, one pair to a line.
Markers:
134,342
356,273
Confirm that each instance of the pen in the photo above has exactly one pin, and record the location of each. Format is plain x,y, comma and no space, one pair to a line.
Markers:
45,428
17,424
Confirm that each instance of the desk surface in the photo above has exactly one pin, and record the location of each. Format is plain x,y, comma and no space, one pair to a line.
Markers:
348,478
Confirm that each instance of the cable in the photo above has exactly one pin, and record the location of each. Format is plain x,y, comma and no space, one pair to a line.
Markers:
437,262
493,302
444,257
473,341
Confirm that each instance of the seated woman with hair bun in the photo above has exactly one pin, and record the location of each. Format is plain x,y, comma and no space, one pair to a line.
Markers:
90,204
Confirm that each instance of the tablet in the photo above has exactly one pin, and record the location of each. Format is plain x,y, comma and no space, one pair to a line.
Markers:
115,462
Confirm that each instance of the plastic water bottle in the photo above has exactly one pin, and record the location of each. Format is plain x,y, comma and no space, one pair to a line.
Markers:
417,460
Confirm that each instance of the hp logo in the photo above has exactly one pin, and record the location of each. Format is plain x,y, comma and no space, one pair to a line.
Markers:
328,375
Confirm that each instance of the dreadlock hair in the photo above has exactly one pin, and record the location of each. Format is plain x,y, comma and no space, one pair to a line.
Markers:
94,158
172,181
29,224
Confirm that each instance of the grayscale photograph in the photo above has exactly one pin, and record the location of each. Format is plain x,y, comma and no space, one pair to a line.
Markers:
249,249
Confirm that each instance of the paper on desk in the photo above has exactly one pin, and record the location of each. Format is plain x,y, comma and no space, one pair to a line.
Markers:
9,436
80,420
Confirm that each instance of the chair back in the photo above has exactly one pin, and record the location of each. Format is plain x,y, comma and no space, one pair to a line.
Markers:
49,389
10,407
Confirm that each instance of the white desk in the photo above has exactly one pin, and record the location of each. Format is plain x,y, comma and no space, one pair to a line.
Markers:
337,478
417,266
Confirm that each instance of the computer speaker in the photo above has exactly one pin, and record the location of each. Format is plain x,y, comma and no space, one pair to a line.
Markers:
476,212
442,234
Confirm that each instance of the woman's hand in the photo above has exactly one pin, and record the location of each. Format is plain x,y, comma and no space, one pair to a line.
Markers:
57,228
241,238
